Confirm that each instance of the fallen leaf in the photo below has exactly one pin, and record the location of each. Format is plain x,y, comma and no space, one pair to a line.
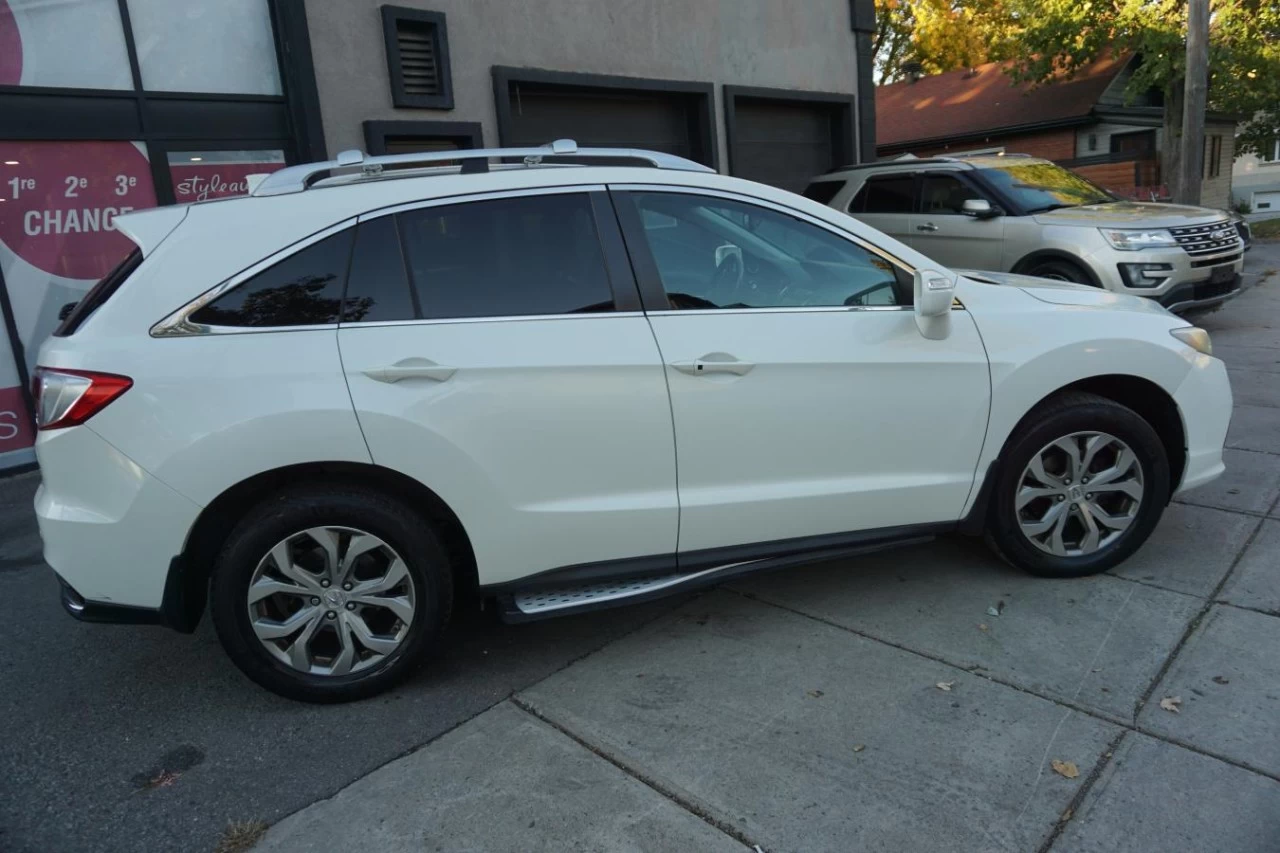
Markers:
982,626
1171,703
1218,679
945,685
996,610
859,747
1065,768
1066,816
815,694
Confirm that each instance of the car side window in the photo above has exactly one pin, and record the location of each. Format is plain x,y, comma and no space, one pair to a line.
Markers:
715,253
529,255
945,194
304,289
378,286
885,194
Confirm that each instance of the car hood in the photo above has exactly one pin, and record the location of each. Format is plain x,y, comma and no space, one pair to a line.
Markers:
1131,214
1068,294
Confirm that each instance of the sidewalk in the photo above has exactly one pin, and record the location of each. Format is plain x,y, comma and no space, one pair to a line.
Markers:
879,704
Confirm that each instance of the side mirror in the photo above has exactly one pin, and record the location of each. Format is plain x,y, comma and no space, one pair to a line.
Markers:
979,208
934,293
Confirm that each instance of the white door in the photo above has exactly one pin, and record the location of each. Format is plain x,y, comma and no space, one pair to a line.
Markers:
946,234
805,400
503,376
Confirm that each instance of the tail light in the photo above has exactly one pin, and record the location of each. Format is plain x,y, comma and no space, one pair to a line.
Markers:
67,398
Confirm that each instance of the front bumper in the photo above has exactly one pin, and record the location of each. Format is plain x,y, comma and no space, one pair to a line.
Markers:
1204,400
1189,281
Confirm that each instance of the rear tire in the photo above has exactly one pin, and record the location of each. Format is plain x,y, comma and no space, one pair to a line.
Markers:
329,594
1060,270
1055,516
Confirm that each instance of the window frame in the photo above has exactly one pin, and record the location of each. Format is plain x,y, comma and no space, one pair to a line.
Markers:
395,68
913,176
959,175
622,282
179,323
654,296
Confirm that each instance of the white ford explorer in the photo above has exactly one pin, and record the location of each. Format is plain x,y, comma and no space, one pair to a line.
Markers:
326,410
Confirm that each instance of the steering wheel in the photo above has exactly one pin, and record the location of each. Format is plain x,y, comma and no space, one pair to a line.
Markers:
727,277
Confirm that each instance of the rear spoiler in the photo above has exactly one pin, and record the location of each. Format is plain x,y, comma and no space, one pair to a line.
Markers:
148,228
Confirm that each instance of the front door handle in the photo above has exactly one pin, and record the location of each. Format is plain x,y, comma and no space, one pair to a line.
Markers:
928,226
715,362
411,368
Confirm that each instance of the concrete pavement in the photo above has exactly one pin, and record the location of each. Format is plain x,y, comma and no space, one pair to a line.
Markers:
869,704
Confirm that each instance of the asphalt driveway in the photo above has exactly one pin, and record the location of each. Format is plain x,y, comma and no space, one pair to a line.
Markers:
923,698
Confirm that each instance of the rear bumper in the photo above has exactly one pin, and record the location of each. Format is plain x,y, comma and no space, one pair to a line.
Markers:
110,529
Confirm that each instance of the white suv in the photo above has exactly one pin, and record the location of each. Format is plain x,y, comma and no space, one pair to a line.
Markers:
328,409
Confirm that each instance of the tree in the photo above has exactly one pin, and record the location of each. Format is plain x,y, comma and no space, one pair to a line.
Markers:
1059,37
940,35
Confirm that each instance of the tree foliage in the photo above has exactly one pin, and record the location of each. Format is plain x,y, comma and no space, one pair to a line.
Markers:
940,35
1058,37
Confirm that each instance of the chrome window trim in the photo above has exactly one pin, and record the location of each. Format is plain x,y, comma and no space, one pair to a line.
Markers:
178,324
791,309
440,201
503,318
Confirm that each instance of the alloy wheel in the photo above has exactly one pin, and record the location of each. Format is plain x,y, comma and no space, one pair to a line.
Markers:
1079,494
331,601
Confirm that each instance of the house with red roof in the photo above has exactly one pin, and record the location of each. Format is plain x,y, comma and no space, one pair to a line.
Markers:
1085,123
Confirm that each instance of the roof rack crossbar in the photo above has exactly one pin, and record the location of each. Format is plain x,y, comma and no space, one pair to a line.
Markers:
293,179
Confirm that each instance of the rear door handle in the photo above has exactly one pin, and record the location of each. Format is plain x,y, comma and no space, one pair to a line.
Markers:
928,226
715,362
411,368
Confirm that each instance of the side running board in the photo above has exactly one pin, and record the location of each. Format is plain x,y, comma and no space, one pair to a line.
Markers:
545,601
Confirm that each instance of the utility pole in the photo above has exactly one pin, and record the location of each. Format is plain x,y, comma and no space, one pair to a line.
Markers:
1193,107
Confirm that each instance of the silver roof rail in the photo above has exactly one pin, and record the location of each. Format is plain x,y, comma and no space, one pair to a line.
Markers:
294,179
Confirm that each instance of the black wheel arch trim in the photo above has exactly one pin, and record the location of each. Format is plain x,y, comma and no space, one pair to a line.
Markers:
1030,260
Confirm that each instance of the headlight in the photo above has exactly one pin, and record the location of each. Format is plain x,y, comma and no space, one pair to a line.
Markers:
1197,339
1128,240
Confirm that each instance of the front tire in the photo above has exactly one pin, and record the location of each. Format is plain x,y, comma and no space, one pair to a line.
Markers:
1060,270
329,594
1081,485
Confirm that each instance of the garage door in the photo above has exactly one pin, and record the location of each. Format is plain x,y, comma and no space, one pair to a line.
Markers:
787,143
658,121
1266,201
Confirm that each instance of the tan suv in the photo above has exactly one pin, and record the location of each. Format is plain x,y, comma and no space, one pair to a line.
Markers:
1010,213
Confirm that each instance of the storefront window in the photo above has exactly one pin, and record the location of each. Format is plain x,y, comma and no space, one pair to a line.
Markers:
72,43
202,175
57,223
224,46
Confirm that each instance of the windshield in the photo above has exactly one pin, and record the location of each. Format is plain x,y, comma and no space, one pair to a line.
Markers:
1037,187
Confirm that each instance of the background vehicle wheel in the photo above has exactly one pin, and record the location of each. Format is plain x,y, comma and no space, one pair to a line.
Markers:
1082,483
330,594
1060,270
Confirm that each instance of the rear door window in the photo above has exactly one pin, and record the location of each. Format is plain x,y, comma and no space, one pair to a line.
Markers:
510,257
888,194
304,289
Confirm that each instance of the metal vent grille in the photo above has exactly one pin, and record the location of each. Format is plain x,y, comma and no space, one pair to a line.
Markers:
418,44
1211,239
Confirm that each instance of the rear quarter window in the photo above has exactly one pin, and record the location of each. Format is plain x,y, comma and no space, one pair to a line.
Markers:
823,191
304,289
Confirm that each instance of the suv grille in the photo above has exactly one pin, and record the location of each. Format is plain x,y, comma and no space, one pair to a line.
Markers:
1211,239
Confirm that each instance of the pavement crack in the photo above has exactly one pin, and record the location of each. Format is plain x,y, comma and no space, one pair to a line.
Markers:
1194,624
1073,807
977,670
665,791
